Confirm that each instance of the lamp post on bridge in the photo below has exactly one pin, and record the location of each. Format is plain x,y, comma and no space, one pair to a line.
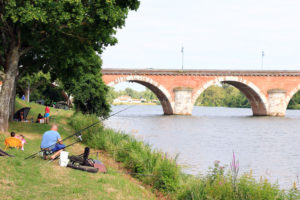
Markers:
262,59
182,49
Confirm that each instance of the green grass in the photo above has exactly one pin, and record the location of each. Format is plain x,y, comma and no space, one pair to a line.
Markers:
138,157
219,185
38,179
296,106
162,173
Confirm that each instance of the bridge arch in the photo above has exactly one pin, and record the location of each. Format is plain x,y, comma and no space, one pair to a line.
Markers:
256,98
160,91
291,94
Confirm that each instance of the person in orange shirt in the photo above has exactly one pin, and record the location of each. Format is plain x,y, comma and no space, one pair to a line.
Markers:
13,142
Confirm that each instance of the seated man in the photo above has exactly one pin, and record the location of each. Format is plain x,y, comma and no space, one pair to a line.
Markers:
12,142
21,116
52,143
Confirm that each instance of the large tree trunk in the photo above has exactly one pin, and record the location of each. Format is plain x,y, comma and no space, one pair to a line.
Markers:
27,93
11,72
13,102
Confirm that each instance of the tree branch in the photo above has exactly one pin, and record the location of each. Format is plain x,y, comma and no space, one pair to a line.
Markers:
74,36
1,61
8,27
19,38
32,88
25,50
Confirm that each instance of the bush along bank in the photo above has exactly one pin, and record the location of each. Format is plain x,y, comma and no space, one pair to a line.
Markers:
165,175
151,167
219,185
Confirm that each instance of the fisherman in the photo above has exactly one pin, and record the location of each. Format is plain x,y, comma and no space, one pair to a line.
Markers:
52,143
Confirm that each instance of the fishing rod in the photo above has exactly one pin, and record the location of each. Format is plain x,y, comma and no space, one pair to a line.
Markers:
78,133
65,148
129,173
133,173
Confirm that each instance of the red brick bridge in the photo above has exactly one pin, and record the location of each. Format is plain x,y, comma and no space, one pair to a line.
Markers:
268,92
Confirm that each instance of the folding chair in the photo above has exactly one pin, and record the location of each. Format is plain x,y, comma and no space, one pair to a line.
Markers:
12,142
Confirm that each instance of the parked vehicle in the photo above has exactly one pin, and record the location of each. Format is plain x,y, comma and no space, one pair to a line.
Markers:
62,105
40,101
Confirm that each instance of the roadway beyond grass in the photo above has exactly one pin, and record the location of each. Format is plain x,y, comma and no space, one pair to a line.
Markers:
38,179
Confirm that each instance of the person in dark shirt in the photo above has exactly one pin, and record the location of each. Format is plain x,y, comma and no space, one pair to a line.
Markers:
39,118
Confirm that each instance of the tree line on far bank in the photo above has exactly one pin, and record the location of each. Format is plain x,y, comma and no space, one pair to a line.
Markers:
146,94
229,96
223,95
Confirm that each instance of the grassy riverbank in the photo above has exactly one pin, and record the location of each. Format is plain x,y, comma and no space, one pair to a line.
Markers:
150,166
152,170
219,183
38,179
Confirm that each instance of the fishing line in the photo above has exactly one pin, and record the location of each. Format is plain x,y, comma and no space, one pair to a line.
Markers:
132,173
78,133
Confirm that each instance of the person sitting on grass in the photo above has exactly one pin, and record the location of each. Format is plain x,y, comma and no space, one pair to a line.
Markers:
40,118
21,116
52,143
12,142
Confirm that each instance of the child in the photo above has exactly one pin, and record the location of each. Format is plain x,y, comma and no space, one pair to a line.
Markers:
22,138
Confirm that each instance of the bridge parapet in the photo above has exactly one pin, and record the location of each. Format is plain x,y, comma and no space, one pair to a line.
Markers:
188,72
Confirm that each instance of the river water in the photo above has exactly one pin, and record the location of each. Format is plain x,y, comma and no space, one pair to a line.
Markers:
269,146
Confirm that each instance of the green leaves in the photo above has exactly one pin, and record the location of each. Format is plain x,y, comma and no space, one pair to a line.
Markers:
56,36
90,95
226,96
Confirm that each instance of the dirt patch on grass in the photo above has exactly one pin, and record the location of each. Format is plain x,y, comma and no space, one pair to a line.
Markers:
64,122
5,186
29,136
110,189
4,182
56,172
117,167
108,161
76,149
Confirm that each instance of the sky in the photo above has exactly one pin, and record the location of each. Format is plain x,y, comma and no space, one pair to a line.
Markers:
215,34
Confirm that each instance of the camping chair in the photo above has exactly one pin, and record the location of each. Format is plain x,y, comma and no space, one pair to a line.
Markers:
12,142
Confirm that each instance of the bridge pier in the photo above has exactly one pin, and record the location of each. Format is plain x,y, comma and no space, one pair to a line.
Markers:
183,101
277,103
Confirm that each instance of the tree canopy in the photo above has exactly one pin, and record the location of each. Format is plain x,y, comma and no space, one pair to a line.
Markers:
47,35
225,96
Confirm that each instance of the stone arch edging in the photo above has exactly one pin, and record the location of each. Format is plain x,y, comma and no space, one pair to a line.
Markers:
233,79
138,78
290,95
141,78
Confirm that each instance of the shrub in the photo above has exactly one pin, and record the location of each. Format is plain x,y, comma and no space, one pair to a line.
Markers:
218,185
165,175
151,166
